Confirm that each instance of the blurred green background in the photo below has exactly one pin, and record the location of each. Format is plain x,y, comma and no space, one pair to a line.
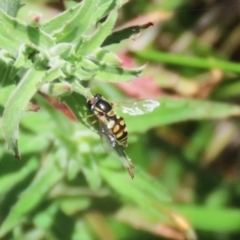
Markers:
186,153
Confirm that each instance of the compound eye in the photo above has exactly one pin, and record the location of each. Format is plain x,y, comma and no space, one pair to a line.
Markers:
93,101
89,104
98,96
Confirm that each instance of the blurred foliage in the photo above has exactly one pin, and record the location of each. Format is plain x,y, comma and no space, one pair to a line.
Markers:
186,152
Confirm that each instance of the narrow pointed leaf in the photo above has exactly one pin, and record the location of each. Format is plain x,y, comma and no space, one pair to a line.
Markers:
104,56
143,190
46,178
10,7
117,74
188,61
5,70
10,180
212,219
15,33
125,33
99,36
18,101
17,104
78,24
105,6
55,24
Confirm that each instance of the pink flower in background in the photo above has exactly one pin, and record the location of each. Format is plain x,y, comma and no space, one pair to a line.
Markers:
141,87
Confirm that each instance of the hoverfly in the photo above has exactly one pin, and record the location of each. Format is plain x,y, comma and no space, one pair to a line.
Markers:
113,129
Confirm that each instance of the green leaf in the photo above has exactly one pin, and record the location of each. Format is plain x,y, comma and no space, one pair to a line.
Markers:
89,45
18,101
212,219
47,177
91,173
196,62
104,56
78,88
83,74
78,24
88,64
55,24
5,92
142,190
116,74
10,7
6,86
16,105
172,110
149,198
89,68
125,33
33,143
6,69
45,218
134,216
10,180
10,27
56,89
82,230
227,91
106,6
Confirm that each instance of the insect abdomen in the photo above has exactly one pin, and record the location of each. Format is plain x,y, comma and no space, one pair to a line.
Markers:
119,128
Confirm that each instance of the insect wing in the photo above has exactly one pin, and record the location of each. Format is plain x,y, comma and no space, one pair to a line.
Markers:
139,107
107,137
110,144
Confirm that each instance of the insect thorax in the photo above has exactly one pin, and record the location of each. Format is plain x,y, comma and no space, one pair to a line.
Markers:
103,106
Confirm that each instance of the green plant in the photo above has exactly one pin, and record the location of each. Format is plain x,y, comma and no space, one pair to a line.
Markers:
65,175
